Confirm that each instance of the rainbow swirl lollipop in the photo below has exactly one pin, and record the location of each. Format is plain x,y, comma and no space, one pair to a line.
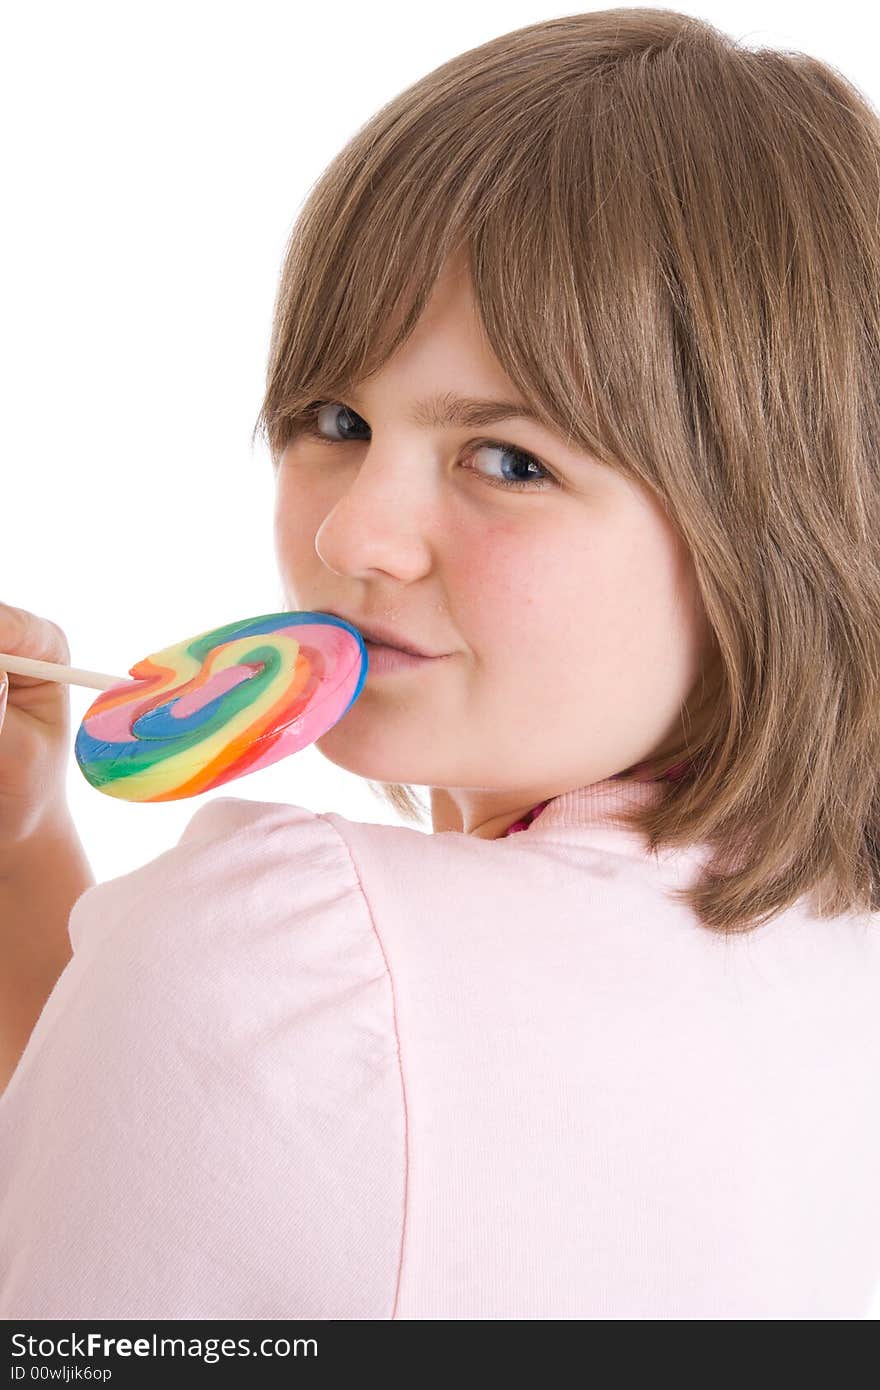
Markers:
217,706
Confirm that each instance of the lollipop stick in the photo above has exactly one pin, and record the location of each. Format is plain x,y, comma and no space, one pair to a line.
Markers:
54,671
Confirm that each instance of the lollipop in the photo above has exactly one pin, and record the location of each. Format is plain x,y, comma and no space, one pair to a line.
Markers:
214,707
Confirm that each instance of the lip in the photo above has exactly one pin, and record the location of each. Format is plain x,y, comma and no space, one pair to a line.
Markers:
377,635
383,659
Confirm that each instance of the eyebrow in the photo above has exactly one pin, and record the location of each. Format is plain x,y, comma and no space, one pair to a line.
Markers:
452,411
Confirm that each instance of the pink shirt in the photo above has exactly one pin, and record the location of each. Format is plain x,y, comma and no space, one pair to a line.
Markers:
305,1067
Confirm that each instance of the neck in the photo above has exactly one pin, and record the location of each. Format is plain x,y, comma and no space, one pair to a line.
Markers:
486,815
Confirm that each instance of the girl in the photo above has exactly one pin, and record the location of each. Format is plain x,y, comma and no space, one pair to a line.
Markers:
571,392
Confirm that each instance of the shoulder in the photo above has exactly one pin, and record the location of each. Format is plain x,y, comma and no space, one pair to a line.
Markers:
223,1038
257,903
238,867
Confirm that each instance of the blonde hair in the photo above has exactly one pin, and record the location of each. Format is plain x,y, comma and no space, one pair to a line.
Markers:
675,252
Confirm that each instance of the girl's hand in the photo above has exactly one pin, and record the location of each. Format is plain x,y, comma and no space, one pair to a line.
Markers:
34,730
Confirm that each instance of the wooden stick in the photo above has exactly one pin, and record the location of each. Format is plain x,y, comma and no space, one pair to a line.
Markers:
54,671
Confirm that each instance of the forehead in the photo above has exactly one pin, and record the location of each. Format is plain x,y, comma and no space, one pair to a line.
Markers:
448,351
451,306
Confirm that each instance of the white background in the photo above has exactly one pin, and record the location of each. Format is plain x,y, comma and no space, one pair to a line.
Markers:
155,157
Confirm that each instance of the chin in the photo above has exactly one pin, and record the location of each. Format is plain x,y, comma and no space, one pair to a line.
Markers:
368,758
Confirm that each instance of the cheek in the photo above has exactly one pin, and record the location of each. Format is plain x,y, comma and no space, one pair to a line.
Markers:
497,580
536,605
299,512
603,606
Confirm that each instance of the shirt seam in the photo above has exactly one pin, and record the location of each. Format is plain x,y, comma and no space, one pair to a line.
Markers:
323,816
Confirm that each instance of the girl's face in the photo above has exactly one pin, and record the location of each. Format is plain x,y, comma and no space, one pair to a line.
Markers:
567,608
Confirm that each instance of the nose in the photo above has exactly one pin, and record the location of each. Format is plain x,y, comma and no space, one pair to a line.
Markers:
383,518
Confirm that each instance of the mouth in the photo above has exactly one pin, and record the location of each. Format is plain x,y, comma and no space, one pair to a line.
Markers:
378,638
384,658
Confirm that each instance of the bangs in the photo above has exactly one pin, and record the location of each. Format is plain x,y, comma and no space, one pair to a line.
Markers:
502,205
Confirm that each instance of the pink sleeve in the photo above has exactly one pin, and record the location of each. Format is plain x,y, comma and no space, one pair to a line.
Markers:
207,1121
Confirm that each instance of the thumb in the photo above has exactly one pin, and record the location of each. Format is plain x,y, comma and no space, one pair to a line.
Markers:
4,691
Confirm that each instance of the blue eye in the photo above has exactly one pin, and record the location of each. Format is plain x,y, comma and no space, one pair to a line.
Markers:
307,424
333,410
520,459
